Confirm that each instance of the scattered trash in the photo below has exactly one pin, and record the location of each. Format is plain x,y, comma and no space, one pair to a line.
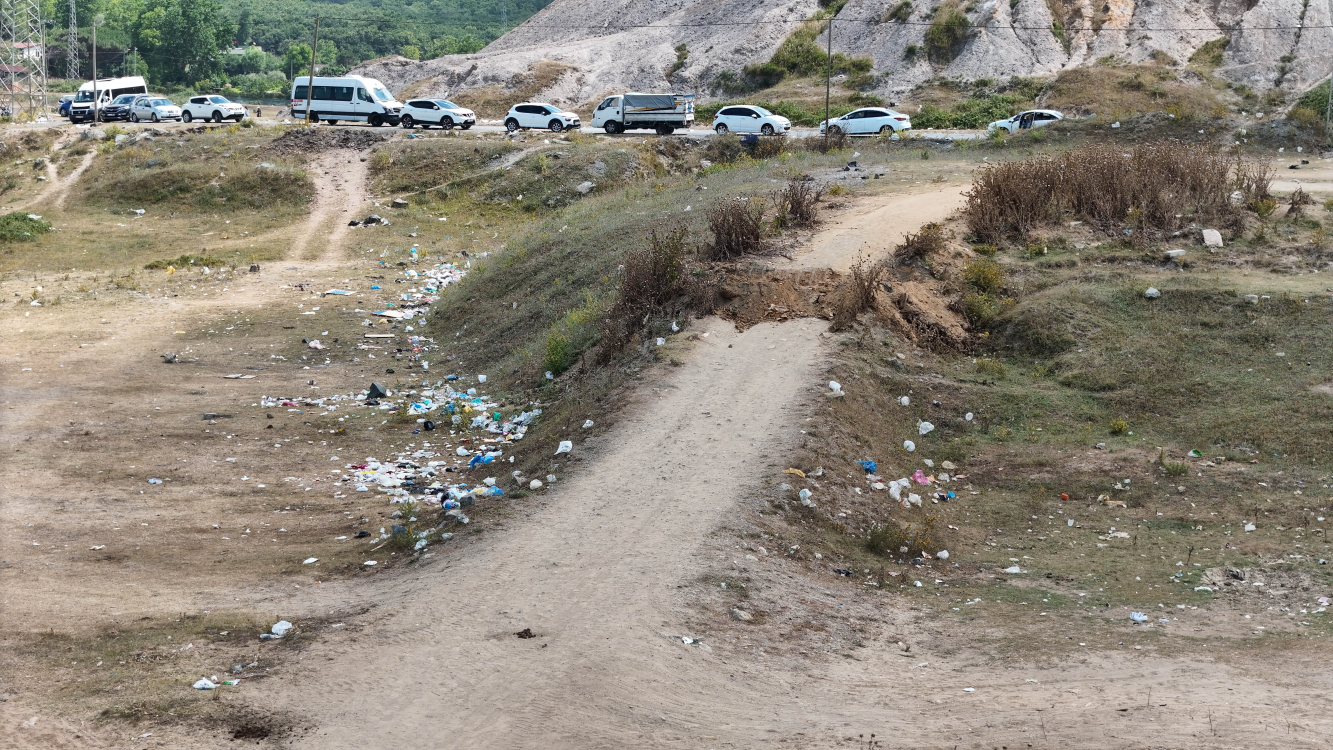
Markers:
535,484
835,388
797,472
944,553
587,424
565,447
1249,527
1013,569
869,466
155,481
805,498
969,690
281,627
1196,453
908,445
925,427
369,562
1138,617
526,633
905,401
205,684
1152,293
310,560
968,416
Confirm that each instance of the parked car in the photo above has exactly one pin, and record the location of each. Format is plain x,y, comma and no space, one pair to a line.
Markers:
212,107
632,111
118,108
103,90
749,119
64,105
537,115
442,112
351,98
868,120
154,108
1033,118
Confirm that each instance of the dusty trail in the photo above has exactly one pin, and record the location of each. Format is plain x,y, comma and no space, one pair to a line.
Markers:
594,574
340,191
875,226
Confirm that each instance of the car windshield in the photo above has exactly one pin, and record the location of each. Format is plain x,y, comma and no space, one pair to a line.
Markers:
126,99
159,102
447,104
762,112
85,95
381,95
218,100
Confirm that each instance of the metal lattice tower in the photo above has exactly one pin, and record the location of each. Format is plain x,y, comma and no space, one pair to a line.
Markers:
504,12
24,41
72,41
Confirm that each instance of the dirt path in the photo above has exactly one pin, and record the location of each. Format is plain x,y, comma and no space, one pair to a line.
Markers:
875,226
61,189
340,191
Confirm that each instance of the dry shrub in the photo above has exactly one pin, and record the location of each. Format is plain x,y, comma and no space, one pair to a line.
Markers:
857,294
1155,188
1253,181
769,147
652,279
737,225
917,247
1298,200
835,140
900,542
796,206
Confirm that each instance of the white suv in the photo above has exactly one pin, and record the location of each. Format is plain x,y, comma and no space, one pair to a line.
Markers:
212,107
442,112
537,115
154,108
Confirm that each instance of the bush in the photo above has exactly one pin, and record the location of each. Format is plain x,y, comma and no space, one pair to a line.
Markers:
992,368
976,111
184,261
1150,187
1119,427
1210,54
797,205
737,225
916,247
652,279
21,226
901,12
800,54
984,275
902,542
857,295
946,34
982,309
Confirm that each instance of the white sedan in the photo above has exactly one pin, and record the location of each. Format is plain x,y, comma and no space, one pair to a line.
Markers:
154,108
1033,118
867,121
442,112
212,107
749,119
537,115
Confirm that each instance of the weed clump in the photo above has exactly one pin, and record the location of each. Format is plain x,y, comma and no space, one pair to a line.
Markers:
991,368
917,247
737,225
183,261
858,293
21,226
897,541
797,205
652,279
1119,427
1153,189
984,275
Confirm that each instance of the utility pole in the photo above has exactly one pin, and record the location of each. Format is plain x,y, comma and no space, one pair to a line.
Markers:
310,84
95,94
828,84
72,44
1328,111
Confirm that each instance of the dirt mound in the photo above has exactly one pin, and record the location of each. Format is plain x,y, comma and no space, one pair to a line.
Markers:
320,139
752,296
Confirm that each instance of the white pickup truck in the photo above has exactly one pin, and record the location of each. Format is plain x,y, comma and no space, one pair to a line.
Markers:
660,112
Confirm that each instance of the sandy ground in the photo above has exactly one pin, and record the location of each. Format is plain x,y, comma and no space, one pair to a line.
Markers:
602,570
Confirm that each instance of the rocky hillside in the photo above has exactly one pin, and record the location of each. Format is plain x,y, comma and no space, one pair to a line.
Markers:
576,51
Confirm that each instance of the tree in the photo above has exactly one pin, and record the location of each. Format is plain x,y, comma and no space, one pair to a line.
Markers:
181,39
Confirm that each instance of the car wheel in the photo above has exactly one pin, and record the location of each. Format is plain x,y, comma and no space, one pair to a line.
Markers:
465,127
447,123
312,117
407,122
156,118
613,127
217,116
511,125
835,130
766,130
134,117
186,117
331,122
886,130
375,120
556,126
720,129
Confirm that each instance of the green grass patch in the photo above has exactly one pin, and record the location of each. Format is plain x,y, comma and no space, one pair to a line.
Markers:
20,226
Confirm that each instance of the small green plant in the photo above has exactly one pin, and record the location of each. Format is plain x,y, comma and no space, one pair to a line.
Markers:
1119,427
896,541
1172,468
984,275
910,52
560,353
1264,208
1328,205
992,368
925,155
682,52
542,165
21,226
986,250
947,31
841,189
901,12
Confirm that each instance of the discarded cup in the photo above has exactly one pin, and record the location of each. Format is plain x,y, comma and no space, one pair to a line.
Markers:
905,401
968,416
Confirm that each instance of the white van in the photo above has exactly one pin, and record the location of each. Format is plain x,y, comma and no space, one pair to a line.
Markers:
346,98
81,108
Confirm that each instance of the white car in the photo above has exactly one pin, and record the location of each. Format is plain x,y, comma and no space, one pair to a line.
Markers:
749,119
212,107
537,115
442,112
154,108
1033,118
867,121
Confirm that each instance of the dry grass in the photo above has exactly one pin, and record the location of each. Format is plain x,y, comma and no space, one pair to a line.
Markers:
1122,90
798,204
1153,189
653,280
494,101
857,295
918,247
